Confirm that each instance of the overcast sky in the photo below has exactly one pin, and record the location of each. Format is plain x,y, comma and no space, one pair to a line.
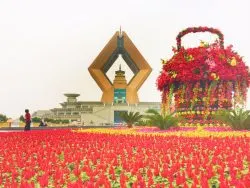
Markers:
46,46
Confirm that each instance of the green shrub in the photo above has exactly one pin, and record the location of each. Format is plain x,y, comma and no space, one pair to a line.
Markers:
163,121
65,121
130,118
36,119
238,119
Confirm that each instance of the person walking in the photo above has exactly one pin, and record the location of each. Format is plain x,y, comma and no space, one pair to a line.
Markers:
27,118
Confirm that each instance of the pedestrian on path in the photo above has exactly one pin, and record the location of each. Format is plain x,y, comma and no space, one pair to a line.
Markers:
27,118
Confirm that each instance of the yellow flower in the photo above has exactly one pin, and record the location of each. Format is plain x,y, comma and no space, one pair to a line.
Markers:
188,57
233,62
204,44
182,101
199,132
174,75
199,128
215,76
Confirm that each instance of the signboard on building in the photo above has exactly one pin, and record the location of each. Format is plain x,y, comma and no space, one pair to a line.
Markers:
120,96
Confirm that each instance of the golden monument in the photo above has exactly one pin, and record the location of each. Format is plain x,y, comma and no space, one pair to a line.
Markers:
120,91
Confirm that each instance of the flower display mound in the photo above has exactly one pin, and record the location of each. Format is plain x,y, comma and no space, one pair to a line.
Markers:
73,159
158,130
203,79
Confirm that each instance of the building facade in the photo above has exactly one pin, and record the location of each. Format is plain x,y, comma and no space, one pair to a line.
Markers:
94,113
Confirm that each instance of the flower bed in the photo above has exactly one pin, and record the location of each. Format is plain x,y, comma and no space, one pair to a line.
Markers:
177,131
157,130
111,158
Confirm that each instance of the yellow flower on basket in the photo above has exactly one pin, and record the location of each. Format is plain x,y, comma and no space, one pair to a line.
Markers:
182,100
215,76
163,61
189,58
203,44
233,62
173,74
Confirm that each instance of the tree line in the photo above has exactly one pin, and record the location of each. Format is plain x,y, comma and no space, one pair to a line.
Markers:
48,120
3,118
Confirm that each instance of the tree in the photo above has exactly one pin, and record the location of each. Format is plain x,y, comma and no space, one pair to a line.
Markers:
21,118
238,119
3,118
36,119
163,121
130,118
65,121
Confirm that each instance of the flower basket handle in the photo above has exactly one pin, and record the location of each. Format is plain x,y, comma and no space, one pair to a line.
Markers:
196,30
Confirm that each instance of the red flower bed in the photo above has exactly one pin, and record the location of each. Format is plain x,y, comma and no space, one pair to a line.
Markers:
64,158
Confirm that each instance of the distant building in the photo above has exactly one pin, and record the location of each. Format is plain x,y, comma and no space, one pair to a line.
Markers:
96,113
100,113
42,113
72,109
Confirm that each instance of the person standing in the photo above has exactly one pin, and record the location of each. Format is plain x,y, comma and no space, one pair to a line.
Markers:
27,118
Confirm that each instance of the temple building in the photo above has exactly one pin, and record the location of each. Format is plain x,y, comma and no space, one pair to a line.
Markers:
119,95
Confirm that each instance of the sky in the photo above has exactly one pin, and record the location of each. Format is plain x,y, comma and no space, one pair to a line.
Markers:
47,46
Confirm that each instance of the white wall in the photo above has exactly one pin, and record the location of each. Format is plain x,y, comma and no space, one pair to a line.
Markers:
105,114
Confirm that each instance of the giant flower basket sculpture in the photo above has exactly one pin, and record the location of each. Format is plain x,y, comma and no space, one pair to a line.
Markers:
199,81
